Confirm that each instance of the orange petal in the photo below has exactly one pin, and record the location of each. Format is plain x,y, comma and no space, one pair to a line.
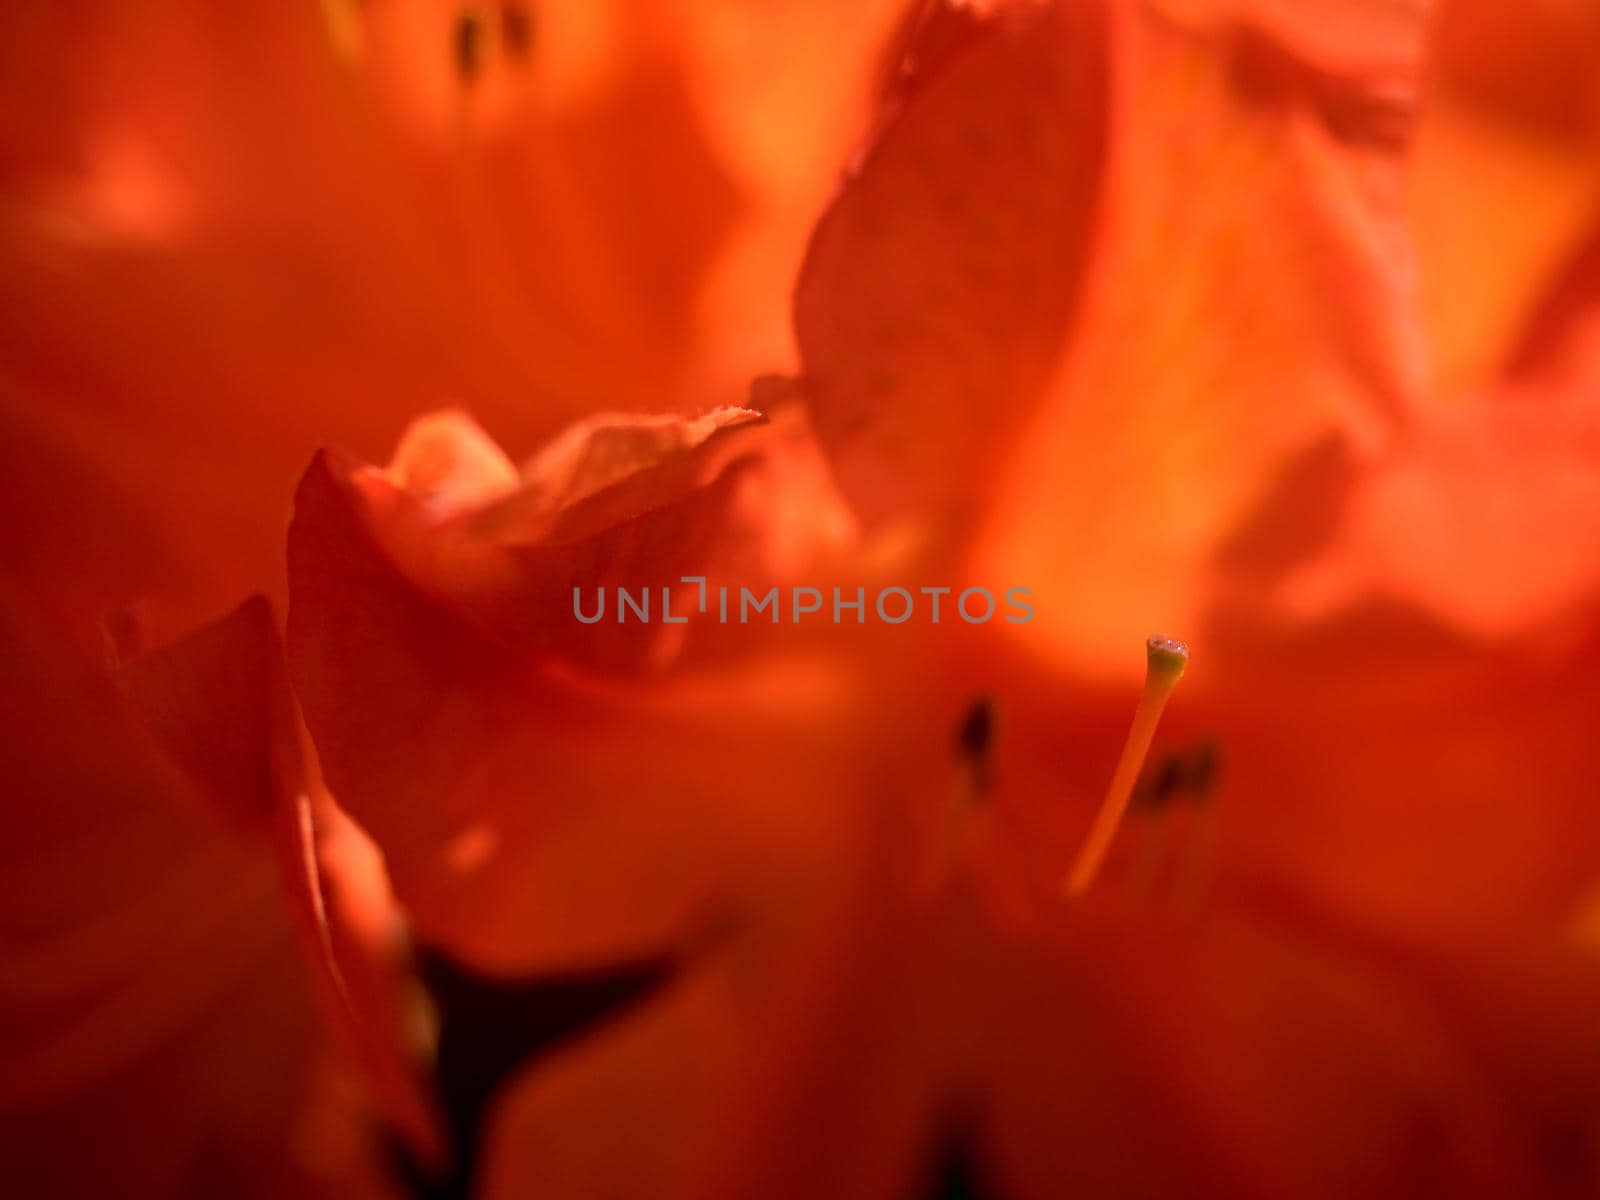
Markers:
939,285
1249,301
784,92
1122,1053
1560,348
541,124
331,284
218,704
216,312
354,943
1403,773
152,999
613,467
494,779
687,1093
633,502
1301,1062
1506,178
1487,518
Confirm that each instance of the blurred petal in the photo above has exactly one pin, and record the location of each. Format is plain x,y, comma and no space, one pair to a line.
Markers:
419,238
1313,1063
1404,774
1249,300
285,298
652,1098
618,502
494,778
785,89
1506,178
940,283
217,703
1560,350
1150,1051
353,940
1488,517
147,964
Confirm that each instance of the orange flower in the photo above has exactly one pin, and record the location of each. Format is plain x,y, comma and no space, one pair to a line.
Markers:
222,240
225,242
1117,307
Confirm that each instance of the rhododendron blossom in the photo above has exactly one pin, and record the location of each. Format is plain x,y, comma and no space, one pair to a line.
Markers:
901,599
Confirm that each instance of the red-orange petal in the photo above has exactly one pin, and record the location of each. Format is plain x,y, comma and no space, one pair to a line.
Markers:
1250,300
531,813
1505,182
1401,772
940,284
153,1002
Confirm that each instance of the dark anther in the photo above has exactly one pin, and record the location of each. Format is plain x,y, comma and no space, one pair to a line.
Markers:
1162,783
1191,772
977,729
470,45
956,1168
974,739
516,27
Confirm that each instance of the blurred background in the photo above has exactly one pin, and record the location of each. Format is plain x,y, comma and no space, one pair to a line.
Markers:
230,235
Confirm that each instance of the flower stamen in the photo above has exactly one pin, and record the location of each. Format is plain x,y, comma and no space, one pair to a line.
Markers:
471,33
974,740
1164,663
516,31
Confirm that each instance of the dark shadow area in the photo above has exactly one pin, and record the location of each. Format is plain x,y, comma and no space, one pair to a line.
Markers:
491,1029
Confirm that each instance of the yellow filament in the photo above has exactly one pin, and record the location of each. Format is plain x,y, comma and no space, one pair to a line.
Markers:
1165,660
